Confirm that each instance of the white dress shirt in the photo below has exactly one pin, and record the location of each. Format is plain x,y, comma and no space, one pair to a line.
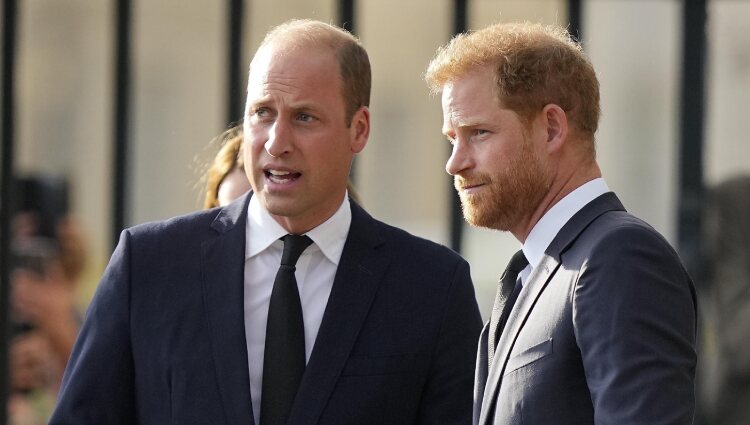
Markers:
316,269
545,230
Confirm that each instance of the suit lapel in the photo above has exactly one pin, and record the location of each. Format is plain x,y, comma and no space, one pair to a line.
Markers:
359,273
223,259
480,372
534,287
527,298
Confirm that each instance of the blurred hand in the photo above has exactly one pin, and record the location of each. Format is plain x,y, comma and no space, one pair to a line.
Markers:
32,363
44,300
47,302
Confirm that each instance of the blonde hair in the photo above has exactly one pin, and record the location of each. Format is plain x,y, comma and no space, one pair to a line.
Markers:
354,63
535,65
227,159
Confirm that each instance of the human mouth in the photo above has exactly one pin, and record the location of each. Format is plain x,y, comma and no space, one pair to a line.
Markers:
468,187
472,189
279,176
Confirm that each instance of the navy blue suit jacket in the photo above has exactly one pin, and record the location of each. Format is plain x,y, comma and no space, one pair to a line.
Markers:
164,342
603,331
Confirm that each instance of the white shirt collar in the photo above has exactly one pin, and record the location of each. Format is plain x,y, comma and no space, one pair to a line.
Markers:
329,236
545,230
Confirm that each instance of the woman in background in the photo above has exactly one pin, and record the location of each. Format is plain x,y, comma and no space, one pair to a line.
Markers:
225,178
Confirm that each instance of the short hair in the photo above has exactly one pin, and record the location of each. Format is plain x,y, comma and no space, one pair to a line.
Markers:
354,63
227,159
536,65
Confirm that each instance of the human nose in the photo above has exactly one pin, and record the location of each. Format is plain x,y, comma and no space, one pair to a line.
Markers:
279,139
459,160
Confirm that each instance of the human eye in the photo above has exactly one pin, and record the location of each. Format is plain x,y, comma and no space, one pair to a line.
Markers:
304,117
261,115
480,132
260,112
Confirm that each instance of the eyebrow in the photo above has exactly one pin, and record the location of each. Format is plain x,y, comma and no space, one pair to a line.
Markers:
259,101
466,123
305,106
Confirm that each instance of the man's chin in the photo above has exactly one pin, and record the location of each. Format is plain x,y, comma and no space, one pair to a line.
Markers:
278,206
479,221
485,218
474,216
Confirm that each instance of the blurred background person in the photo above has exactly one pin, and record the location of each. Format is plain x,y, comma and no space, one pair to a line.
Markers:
225,178
49,255
725,292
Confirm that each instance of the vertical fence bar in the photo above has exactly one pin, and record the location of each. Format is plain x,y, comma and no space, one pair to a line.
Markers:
692,101
575,18
691,135
235,90
460,24
6,187
346,15
121,118
346,11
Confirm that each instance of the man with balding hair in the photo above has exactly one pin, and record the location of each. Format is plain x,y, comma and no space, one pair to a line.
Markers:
291,305
594,320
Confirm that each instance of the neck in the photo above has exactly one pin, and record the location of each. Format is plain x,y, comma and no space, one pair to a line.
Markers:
298,225
563,184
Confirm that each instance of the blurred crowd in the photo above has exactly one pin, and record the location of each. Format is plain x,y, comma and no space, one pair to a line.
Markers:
48,257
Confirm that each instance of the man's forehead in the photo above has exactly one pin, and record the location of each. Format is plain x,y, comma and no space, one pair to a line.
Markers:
454,117
455,105
289,47
275,61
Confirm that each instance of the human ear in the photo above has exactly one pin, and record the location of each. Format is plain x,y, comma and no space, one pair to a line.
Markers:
359,129
556,124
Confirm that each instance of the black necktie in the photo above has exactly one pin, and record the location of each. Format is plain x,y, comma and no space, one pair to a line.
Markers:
284,353
507,292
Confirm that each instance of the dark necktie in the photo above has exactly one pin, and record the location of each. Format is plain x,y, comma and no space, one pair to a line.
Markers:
507,292
284,352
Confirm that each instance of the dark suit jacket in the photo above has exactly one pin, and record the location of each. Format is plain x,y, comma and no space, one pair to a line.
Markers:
603,331
164,342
